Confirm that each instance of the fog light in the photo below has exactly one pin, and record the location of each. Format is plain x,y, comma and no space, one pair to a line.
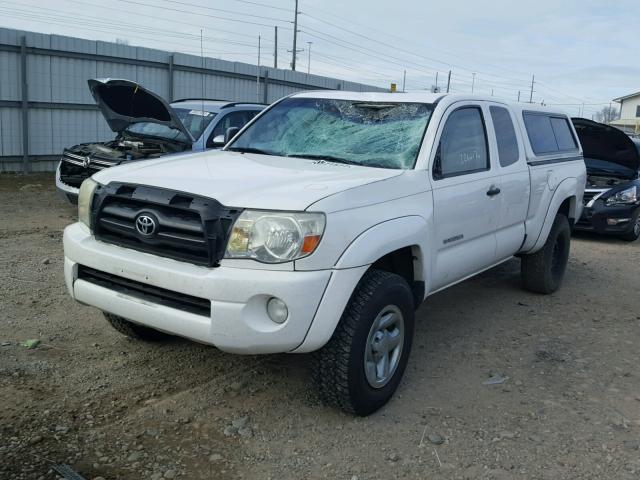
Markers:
277,310
616,221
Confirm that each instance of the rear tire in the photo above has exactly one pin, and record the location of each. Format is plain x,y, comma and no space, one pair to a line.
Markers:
360,368
133,330
634,234
543,271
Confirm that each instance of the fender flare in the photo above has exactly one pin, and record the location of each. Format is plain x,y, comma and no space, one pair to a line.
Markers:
365,249
396,233
566,189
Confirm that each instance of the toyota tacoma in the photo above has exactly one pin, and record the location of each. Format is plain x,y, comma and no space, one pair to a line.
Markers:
324,224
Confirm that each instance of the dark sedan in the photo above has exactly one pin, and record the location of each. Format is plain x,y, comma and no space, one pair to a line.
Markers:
612,193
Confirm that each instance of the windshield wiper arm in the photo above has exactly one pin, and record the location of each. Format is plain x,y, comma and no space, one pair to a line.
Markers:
328,158
249,150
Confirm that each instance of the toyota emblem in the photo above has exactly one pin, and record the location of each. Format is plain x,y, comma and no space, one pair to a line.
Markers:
146,225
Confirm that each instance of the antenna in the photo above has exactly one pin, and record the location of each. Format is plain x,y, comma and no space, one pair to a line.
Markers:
203,73
258,73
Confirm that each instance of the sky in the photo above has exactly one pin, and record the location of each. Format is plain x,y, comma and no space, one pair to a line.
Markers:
582,53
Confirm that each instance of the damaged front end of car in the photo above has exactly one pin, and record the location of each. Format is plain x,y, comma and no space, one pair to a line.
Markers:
146,127
612,193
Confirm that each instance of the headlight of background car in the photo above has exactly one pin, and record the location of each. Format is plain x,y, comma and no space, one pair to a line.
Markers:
87,189
630,195
275,237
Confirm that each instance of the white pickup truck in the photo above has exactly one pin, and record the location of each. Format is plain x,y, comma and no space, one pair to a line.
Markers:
325,223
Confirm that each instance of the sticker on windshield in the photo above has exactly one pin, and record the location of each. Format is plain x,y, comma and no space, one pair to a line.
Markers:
202,113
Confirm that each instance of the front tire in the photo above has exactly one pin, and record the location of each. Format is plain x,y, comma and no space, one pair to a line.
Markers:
543,271
634,234
360,368
133,330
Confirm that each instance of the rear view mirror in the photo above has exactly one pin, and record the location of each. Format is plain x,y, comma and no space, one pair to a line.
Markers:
230,133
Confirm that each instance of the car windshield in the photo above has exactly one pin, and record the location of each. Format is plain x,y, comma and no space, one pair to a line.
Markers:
372,134
195,121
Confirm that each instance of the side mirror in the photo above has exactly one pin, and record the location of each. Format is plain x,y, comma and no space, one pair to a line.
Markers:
218,141
230,133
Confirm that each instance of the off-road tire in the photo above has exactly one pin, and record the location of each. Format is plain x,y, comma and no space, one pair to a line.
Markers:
543,271
133,330
339,367
634,234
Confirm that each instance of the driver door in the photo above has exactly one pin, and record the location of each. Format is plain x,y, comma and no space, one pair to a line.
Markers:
466,187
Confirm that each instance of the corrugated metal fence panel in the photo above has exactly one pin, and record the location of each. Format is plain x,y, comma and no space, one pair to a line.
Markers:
11,131
40,132
69,79
57,74
71,127
10,76
39,78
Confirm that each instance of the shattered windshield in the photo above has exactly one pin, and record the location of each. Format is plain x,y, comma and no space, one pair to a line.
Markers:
372,134
195,121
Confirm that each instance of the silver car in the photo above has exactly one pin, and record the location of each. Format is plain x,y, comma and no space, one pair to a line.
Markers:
148,127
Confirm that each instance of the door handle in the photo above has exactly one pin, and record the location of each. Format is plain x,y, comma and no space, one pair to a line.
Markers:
493,191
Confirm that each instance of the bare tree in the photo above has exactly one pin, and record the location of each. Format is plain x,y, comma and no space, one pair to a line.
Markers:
122,41
607,114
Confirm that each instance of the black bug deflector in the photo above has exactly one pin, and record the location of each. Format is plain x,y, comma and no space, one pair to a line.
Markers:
164,222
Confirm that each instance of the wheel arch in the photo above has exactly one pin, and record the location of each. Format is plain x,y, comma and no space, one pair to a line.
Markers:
397,246
564,200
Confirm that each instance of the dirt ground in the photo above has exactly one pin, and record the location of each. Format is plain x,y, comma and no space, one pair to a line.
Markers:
113,408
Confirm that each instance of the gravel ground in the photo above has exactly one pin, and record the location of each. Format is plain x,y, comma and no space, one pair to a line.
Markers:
568,406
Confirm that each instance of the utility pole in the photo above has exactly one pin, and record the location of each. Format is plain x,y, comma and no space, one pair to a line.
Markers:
533,81
258,73
518,95
492,92
473,81
275,48
448,81
609,114
294,52
404,80
436,81
309,61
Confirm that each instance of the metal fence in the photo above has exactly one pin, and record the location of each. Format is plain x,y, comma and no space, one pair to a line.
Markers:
45,104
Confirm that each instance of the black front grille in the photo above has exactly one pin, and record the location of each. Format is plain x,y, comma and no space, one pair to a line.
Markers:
588,196
74,168
185,227
157,295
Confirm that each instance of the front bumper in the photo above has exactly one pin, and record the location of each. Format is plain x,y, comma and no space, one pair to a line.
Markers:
69,193
603,219
238,320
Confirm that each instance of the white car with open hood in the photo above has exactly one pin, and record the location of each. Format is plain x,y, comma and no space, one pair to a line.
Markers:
324,224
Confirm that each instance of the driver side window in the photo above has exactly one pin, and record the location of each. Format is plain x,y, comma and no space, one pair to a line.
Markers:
463,146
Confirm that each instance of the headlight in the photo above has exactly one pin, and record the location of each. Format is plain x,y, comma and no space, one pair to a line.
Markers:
275,237
630,195
87,189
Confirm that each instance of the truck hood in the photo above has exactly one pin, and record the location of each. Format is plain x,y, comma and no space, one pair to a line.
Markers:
123,103
603,142
247,180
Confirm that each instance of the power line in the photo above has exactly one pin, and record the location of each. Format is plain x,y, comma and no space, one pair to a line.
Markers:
225,11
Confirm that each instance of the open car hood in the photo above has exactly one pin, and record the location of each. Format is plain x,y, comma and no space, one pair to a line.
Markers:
124,102
603,142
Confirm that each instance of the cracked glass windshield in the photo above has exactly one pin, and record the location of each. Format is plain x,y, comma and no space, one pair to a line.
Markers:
371,134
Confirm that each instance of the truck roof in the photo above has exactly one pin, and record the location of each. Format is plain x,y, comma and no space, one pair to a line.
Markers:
422,97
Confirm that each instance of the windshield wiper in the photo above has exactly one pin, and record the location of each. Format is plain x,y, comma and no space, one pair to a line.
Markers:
328,158
249,150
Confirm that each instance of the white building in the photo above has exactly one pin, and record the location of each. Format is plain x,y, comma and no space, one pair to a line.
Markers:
629,113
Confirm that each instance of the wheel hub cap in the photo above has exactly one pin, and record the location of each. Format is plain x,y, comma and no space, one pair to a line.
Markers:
384,346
